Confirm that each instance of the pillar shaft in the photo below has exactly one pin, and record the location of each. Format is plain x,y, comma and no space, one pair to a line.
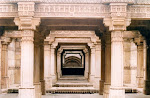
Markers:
37,83
147,81
92,66
98,64
116,89
107,65
53,66
140,67
4,67
47,66
26,89
87,65
0,65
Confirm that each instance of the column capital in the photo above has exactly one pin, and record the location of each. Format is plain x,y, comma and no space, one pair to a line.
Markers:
118,19
5,40
27,23
116,36
139,40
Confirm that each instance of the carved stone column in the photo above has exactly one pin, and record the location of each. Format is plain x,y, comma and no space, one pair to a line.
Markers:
133,63
107,65
53,65
37,73
42,69
47,66
92,66
4,62
116,88
147,81
27,24
140,62
126,60
98,64
11,62
117,22
86,63
0,66
27,88
59,63
101,91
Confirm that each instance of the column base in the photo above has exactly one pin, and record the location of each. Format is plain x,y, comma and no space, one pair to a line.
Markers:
147,87
106,90
101,87
48,83
96,82
92,77
116,92
5,82
43,87
37,90
26,92
53,77
140,82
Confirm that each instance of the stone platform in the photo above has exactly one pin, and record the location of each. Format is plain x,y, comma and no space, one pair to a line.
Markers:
75,96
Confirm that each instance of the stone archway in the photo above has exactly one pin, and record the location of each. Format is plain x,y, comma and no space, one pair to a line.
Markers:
73,40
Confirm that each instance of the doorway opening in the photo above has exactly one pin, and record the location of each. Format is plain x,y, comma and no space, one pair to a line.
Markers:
73,62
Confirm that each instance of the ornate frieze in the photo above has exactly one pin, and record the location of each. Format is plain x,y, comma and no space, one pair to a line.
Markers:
26,8
118,1
53,1
139,11
71,10
8,10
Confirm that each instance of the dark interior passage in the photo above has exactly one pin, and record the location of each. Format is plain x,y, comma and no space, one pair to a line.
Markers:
73,63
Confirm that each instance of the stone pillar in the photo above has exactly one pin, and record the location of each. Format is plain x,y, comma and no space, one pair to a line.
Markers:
147,81
0,67
4,62
11,62
53,65
98,64
133,63
42,69
116,88
126,60
37,73
92,66
140,62
27,24
17,60
107,65
86,63
27,88
47,66
59,63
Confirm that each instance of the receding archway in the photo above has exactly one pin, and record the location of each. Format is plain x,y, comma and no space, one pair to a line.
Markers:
72,62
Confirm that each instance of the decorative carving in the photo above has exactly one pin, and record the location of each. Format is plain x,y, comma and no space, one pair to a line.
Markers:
117,36
70,10
27,23
118,1
118,19
12,34
26,8
8,10
27,35
53,1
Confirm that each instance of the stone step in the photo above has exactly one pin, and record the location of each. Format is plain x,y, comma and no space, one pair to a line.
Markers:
78,90
72,85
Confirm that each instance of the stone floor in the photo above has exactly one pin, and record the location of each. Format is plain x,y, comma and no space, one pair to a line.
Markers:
76,96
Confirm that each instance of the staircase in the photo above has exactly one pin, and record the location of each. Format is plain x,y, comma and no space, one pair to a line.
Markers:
72,84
